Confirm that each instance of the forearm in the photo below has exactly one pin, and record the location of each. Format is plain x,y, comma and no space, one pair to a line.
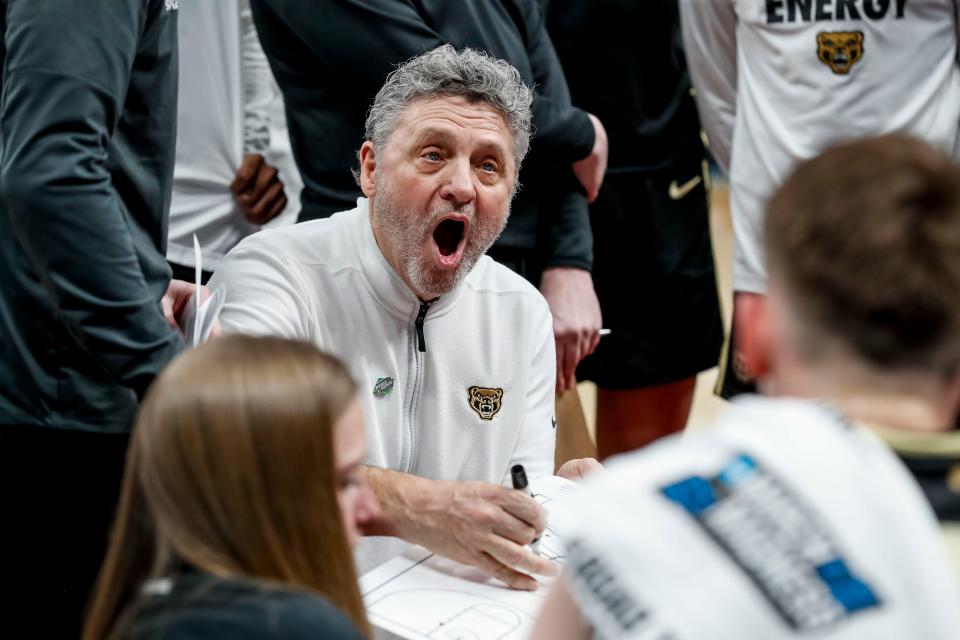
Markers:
563,130
403,499
476,523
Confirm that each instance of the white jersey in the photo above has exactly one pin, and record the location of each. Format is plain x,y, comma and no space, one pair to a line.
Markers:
479,396
777,81
229,105
780,521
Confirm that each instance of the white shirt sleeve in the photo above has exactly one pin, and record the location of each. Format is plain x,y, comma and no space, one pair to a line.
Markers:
265,296
538,434
710,41
258,87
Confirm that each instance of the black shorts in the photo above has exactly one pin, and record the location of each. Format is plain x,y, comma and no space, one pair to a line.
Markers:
654,275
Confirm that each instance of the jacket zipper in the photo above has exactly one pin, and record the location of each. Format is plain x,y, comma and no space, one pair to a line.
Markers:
418,323
416,366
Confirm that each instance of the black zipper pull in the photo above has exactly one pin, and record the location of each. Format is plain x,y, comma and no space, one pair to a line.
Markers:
421,316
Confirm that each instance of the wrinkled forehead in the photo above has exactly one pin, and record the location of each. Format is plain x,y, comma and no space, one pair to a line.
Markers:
454,116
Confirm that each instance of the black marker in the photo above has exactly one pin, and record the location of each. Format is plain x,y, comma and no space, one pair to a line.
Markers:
519,478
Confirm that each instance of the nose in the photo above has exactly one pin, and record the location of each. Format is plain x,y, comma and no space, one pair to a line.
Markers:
367,509
458,186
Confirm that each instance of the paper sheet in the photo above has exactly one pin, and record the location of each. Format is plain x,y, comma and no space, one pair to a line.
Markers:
422,596
199,318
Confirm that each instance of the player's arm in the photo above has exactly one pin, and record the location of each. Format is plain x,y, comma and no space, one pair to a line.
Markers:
568,239
258,91
565,243
566,250
256,185
66,73
564,132
710,42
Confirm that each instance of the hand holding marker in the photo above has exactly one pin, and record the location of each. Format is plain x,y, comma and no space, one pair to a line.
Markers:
519,478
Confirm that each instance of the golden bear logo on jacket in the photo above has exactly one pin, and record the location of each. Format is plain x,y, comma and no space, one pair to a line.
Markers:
485,402
840,50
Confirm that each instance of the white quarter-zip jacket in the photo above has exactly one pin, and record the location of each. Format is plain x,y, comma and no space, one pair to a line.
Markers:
781,520
462,395
777,81
229,105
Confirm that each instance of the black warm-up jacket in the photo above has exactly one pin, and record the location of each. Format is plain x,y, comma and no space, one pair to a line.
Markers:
87,138
330,58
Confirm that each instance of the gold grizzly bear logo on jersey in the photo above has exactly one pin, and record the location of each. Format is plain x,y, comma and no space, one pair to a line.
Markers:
840,50
485,402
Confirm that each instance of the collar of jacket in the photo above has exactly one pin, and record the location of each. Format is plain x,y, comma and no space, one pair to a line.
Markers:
385,283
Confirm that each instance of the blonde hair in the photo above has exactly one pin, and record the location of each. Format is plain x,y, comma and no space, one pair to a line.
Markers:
231,470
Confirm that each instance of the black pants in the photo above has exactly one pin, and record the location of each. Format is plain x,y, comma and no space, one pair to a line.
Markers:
187,274
58,490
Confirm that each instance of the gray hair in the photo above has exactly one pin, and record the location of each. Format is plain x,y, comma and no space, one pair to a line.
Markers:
444,71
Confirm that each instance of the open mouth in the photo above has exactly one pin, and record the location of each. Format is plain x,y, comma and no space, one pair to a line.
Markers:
449,236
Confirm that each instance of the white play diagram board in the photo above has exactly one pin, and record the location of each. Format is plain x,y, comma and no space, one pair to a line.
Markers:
422,596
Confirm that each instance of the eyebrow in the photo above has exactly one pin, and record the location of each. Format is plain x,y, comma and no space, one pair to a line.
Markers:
423,136
445,135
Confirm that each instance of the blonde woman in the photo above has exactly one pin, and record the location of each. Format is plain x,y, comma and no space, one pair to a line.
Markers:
241,501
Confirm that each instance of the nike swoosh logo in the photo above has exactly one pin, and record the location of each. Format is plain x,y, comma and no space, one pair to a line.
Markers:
679,191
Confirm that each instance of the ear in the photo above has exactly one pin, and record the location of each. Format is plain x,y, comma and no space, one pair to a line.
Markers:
368,163
499,393
754,332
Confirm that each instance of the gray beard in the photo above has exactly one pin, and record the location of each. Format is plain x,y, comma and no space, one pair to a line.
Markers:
409,232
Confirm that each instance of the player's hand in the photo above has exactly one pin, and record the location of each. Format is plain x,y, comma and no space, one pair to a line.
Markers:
590,170
484,525
576,319
258,189
174,303
579,468
751,339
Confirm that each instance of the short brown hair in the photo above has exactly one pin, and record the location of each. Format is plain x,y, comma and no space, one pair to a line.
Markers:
866,239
